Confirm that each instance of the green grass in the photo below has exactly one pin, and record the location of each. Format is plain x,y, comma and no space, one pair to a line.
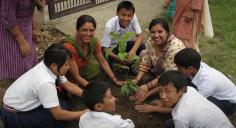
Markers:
220,52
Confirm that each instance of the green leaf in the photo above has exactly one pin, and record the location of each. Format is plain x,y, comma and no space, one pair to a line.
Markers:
124,89
127,91
135,57
122,56
114,36
109,51
134,88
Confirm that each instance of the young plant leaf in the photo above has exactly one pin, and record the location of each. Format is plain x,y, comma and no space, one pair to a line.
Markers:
133,58
114,36
134,88
109,51
122,56
124,89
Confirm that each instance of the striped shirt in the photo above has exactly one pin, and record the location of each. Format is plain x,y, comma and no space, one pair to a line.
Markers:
15,13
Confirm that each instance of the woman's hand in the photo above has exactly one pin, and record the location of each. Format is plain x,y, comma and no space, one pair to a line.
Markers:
131,53
25,47
144,108
135,81
120,83
142,92
117,82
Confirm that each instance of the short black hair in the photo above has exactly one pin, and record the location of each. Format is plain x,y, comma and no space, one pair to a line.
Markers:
173,76
85,19
56,53
94,93
161,21
126,5
188,57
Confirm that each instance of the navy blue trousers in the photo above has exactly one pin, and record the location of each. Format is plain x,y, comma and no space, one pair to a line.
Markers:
227,107
169,123
37,118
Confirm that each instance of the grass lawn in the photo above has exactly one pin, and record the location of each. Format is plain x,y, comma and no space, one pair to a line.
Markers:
220,52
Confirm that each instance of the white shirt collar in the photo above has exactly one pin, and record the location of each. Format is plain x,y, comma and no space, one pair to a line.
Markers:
195,79
54,77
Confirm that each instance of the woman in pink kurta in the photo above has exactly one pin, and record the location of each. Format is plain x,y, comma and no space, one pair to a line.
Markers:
17,50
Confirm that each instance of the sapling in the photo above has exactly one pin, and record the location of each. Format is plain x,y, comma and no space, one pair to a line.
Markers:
128,87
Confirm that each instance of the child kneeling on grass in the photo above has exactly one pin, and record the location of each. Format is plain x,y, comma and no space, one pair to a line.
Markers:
98,98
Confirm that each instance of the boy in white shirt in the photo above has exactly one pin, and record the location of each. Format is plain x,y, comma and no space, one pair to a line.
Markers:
211,83
98,98
190,108
125,21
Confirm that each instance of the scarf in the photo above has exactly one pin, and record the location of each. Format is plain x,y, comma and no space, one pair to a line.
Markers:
91,47
159,68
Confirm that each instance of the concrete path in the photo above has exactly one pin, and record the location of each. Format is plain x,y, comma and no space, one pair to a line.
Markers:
146,10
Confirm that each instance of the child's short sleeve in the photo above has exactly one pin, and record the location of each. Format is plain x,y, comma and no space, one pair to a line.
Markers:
136,25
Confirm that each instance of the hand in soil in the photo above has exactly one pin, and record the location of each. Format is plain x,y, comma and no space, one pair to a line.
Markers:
137,101
144,108
142,93
120,83
135,81
156,102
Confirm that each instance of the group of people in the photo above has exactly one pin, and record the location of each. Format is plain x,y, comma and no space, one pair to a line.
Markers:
195,94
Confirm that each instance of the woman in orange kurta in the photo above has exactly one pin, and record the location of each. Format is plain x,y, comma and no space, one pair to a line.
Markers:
187,21
85,50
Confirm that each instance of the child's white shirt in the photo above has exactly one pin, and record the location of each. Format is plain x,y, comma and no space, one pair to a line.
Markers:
94,119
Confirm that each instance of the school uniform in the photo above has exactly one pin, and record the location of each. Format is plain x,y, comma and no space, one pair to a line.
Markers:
216,87
113,25
27,101
94,119
195,111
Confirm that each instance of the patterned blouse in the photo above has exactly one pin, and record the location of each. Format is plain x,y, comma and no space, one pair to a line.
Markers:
166,59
